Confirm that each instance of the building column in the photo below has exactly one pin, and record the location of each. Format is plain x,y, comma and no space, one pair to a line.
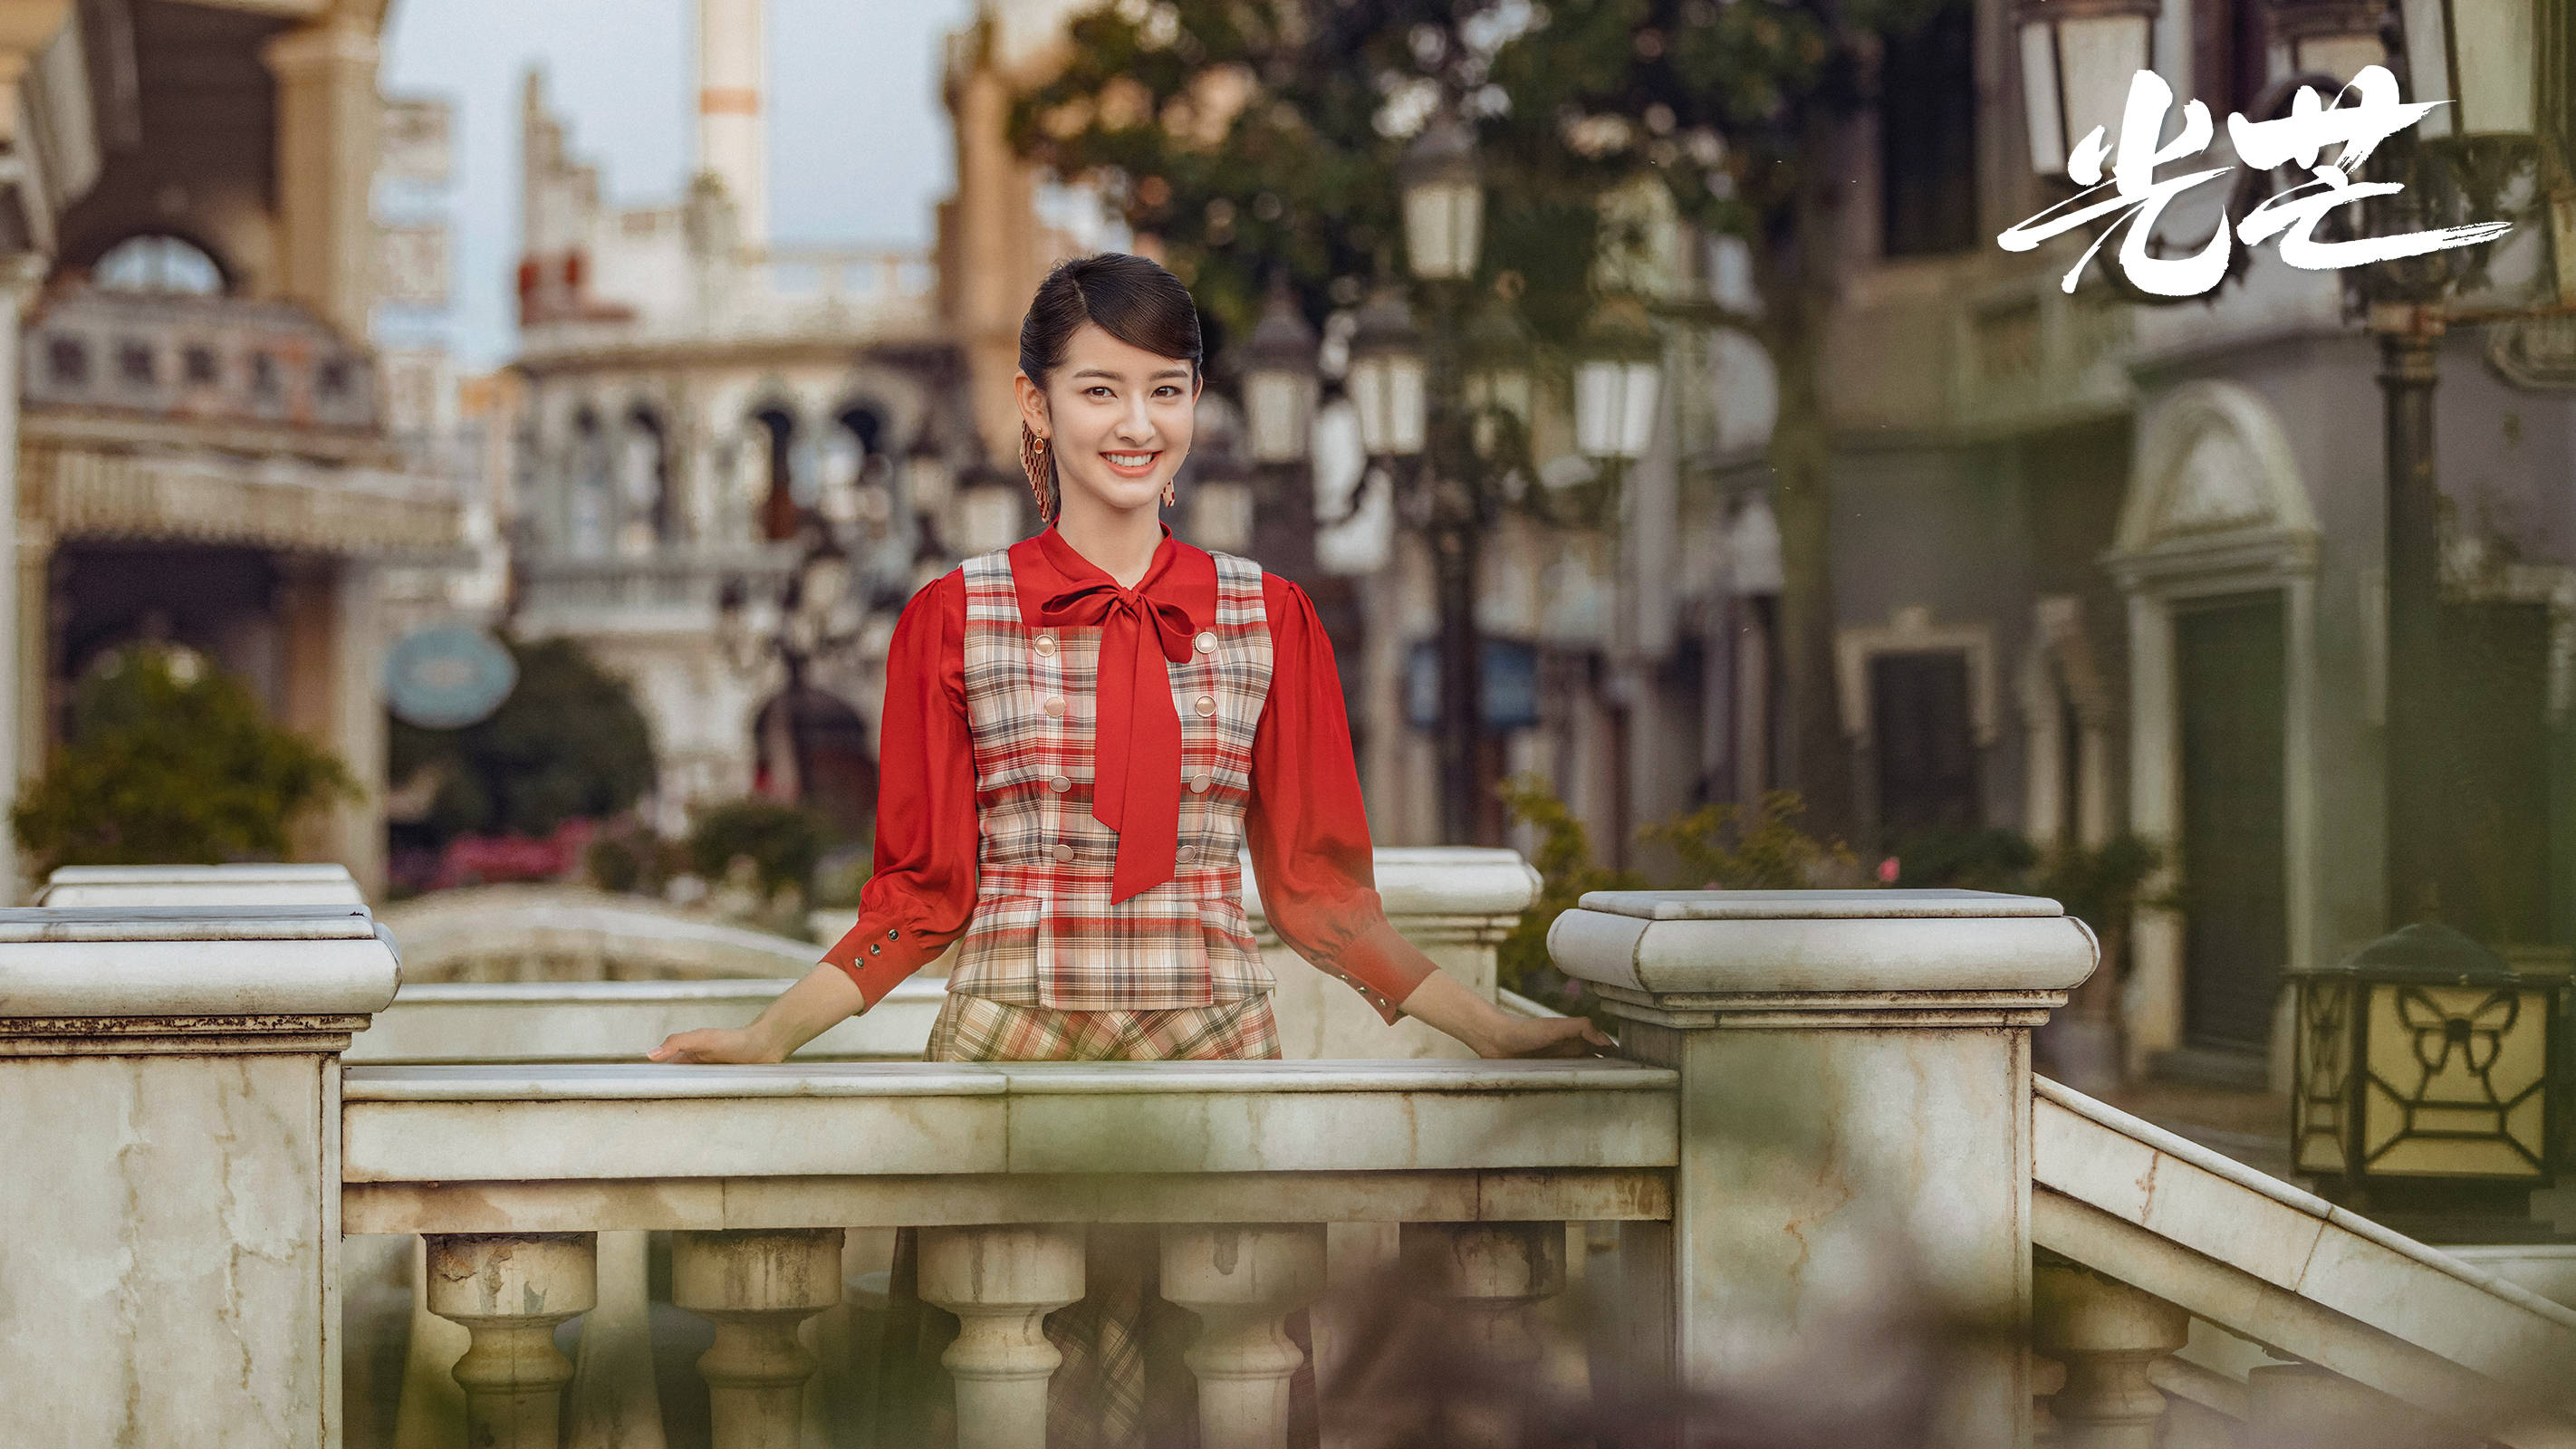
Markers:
328,115
332,692
23,596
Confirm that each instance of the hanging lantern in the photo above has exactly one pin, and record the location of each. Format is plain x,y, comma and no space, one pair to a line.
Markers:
2077,57
1617,384
1279,382
2423,1076
1444,201
2330,37
1385,380
2483,58
1498,373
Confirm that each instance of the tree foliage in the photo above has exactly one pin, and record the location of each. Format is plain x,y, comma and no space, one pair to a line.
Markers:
172,762
569,743
783,842
1257,137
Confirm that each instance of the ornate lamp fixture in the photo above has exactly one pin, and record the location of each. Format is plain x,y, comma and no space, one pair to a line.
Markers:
1279,382
1385,380
2076,60
1617,384
1444,201
2423,1071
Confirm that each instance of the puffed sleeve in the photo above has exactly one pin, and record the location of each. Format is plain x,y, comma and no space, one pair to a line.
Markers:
923,888
1305,826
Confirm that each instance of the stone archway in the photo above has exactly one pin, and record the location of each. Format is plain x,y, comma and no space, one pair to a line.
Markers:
2217,551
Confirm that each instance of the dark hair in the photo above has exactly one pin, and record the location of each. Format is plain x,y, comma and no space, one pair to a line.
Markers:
1133,299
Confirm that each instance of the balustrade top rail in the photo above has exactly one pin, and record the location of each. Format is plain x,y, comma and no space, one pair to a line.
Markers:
575,1148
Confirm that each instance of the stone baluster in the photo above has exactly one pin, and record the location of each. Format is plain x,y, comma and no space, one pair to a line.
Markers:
511,1291
757,1286
1486,1280
1001,1282
1855,1127
1242,1281
612,1402
2109,1337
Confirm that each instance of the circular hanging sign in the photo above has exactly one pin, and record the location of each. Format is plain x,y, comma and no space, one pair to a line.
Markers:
447,676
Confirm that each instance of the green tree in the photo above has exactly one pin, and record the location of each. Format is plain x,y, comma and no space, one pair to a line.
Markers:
783,842
569,743
1257,138
171,761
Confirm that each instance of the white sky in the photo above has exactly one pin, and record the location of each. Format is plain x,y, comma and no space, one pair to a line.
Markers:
858,142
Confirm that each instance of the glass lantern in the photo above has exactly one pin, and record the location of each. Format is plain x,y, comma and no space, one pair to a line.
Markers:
1617,384
2077,57
1279,382
2482,59
2329,37
1385,379
2423,1069
1444,202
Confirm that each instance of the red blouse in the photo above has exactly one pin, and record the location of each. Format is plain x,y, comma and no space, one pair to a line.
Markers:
1305,827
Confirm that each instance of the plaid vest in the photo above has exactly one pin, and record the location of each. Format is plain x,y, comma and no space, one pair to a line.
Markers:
1044,932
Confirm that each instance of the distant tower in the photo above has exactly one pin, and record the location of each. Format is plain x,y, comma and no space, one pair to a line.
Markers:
733,85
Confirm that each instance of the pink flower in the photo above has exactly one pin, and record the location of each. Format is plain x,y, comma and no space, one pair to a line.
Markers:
1888,871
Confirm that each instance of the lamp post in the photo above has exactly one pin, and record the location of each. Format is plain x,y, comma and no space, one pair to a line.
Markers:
1408,391
1277,366
2076,60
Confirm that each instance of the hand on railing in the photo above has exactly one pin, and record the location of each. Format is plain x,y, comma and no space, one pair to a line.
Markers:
802,1012
709,1044
1441,1001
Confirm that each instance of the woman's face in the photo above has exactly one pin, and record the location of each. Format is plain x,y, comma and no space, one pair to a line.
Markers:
1117,416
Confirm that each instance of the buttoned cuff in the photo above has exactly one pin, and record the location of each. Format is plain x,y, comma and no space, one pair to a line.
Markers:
1383,967
877,955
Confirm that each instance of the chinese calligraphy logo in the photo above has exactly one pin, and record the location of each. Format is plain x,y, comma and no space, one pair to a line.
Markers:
2136,198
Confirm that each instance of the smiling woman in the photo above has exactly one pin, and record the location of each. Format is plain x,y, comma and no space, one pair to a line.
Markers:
1083,734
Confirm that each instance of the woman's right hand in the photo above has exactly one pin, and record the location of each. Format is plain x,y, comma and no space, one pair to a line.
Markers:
714,1044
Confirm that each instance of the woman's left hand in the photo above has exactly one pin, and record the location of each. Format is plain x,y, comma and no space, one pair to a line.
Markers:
1546,1036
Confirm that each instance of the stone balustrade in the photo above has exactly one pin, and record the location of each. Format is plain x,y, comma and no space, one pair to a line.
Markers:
1835,1187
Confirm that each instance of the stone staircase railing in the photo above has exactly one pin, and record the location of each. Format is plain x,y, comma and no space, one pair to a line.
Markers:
1826,1134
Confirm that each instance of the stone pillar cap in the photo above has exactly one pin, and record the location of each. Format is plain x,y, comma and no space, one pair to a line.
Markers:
1778,949
188,961
1441,880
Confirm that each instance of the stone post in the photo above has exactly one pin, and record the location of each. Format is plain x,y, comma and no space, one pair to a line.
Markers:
170,1098
2109,1336
1855,1136
756,1287
1242,1281
1002,1282
1484,1281
511,1291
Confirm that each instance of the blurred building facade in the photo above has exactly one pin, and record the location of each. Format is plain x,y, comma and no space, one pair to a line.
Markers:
201,449
708,416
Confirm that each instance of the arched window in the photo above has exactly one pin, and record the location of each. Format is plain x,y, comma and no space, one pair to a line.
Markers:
160,264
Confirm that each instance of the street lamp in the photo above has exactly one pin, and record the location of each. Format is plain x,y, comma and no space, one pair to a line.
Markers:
2076,60
2483,59
1279,383
1278,368
2422,1079
1617,384
2330,37
1385,379
1444,201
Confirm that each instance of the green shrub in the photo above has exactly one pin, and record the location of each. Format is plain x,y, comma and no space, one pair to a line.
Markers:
569,743
172,762
783,842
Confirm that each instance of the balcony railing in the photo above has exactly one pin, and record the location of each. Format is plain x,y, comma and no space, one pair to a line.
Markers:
1825,1109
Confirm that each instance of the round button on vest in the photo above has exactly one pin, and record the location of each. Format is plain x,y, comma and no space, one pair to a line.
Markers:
1184,853
1054,706
1207,641
1207,704
1062,853
1199,783
1045,644
1060,783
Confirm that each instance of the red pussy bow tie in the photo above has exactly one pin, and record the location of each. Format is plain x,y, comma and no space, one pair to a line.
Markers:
1136,747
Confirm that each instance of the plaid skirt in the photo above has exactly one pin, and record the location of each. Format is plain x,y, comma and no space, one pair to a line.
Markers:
1121,1384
